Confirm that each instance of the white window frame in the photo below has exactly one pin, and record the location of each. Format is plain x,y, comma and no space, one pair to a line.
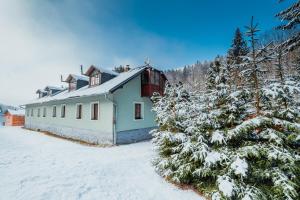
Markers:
91,104
77,104
142,111
55,111
62,105
39,112
93,79
31,112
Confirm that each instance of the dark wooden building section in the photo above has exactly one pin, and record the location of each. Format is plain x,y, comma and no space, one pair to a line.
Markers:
152,81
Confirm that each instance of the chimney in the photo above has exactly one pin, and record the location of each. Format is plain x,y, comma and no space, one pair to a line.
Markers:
81,70
127,68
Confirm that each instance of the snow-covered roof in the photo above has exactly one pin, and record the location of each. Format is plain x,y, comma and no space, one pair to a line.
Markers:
40,91
103,70
53,88
16,112
108,86
77,77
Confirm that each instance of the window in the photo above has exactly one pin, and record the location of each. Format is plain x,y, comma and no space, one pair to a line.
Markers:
138,111
145,77
31,112
54,111
63,111
95,79
156,78
94,111
79,111
152,77
39,112
27,112
44,112
72,86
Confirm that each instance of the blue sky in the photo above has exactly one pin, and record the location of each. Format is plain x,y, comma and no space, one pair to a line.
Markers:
171,32
40,40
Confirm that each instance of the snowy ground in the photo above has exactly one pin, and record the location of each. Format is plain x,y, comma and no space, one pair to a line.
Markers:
36,166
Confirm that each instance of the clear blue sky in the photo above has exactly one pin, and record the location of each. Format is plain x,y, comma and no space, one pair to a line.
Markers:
170,32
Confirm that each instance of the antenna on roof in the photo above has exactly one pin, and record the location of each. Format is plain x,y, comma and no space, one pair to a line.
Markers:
81,70
61,78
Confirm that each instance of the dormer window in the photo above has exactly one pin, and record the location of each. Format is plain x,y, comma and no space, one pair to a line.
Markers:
51,90
72,86
95,79
98,76
75,82
41,93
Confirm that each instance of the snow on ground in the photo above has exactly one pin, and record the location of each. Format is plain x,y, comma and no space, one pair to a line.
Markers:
37,166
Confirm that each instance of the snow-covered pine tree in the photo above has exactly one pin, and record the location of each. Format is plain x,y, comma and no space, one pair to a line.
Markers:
291,19
263,145
215,143
280,96
176,140
238,49
192,147
253,64
255,151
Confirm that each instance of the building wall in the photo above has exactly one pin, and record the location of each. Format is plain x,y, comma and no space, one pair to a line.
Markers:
93,131
14,120
127,128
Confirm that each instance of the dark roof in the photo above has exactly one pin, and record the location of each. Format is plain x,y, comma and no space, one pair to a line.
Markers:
76,77
101,70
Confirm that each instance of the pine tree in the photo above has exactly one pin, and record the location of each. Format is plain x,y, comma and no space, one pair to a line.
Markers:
185,74
291,17
238,49
253,64
280,95
122,68
215,143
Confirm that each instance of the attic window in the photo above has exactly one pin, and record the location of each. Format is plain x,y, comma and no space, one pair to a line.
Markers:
95,79
72,85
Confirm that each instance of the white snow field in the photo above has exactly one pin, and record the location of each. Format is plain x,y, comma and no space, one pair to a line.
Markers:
36,166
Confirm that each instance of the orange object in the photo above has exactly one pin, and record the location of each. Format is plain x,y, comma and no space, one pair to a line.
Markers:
14,118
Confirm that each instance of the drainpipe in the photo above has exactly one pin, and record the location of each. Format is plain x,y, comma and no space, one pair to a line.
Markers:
114,117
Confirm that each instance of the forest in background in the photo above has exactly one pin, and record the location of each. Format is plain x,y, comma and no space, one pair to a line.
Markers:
193,76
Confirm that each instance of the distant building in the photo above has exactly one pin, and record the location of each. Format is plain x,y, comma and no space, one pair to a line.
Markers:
14,117
100,107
